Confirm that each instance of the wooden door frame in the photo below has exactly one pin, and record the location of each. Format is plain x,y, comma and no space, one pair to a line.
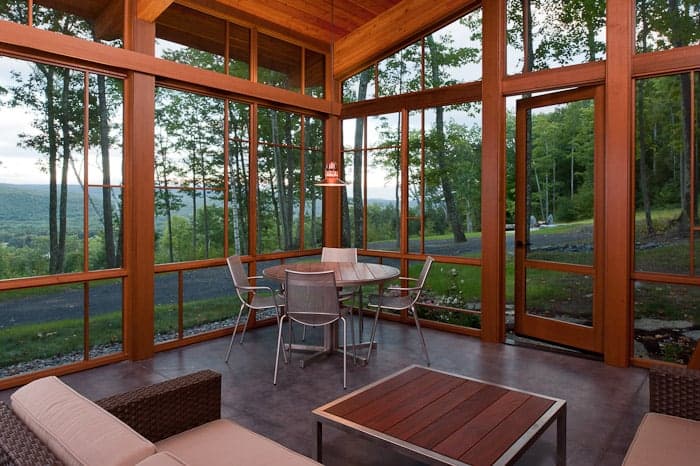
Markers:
578,336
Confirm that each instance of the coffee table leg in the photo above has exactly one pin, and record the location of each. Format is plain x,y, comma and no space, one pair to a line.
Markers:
561,437
317,446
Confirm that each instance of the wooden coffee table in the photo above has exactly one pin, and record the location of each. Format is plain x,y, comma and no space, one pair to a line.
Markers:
437,416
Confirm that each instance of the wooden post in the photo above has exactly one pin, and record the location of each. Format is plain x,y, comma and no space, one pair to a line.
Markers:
619,161
139,258
493,176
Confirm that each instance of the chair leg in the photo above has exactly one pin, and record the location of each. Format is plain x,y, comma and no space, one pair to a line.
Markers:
345,353
420,333
250,310
352,338
279,342
233,336
303,333
374,330
279,325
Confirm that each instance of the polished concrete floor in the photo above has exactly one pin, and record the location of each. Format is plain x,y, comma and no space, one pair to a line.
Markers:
605,404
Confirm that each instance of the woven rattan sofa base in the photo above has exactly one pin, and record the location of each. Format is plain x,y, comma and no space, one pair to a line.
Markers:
156,411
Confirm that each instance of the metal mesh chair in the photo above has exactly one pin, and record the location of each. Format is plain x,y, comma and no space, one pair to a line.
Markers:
311,298
250,297
401,298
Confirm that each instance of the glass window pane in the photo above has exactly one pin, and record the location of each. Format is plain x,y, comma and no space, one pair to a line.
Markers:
666,25
359,87
279,180
666,319
189,177
86,20
190,37
560,295
401,72
452,294
353,198
41,204
383,181
44,328
166,307
559,34
238,173
105,165
314,74
453,53
279,63
453,180
560,190
16,11
208,302
239,51
662,185
106,329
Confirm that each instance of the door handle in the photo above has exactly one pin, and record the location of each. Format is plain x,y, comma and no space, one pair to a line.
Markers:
519,244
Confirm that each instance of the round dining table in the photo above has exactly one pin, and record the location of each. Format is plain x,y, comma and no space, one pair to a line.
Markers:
347,274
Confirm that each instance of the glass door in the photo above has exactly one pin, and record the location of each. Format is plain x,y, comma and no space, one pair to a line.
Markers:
559,185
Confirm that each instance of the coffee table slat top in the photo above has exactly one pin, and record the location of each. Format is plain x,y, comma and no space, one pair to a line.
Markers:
466,420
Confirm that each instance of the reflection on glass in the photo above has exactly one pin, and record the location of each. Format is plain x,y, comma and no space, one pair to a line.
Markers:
106,335
560,295
73,19
279,63
662,185
200,44
208,301
41,329
666,319
279,180
453,53
452,294
239,51
359,87
166,307
16,11
669,26
401,72
314,74
558,34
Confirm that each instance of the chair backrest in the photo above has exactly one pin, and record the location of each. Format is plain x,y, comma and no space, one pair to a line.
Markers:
423,276
339,255
311,298
238,274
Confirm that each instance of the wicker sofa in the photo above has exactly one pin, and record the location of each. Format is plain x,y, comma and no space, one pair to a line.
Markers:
172,423
670,432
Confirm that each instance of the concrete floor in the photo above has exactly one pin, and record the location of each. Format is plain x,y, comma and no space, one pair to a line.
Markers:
605,404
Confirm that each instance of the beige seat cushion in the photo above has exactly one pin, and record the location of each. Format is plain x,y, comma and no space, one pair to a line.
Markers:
74,428
223,442
663,439
162,458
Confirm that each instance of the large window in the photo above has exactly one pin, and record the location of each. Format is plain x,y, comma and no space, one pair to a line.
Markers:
61,214
667,225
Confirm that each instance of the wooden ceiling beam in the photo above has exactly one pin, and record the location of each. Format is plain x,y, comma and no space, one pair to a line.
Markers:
150,10
401,24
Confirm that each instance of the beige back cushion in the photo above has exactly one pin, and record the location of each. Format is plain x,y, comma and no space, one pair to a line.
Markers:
74,428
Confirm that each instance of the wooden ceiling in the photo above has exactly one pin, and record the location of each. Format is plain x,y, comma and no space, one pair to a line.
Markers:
361,30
